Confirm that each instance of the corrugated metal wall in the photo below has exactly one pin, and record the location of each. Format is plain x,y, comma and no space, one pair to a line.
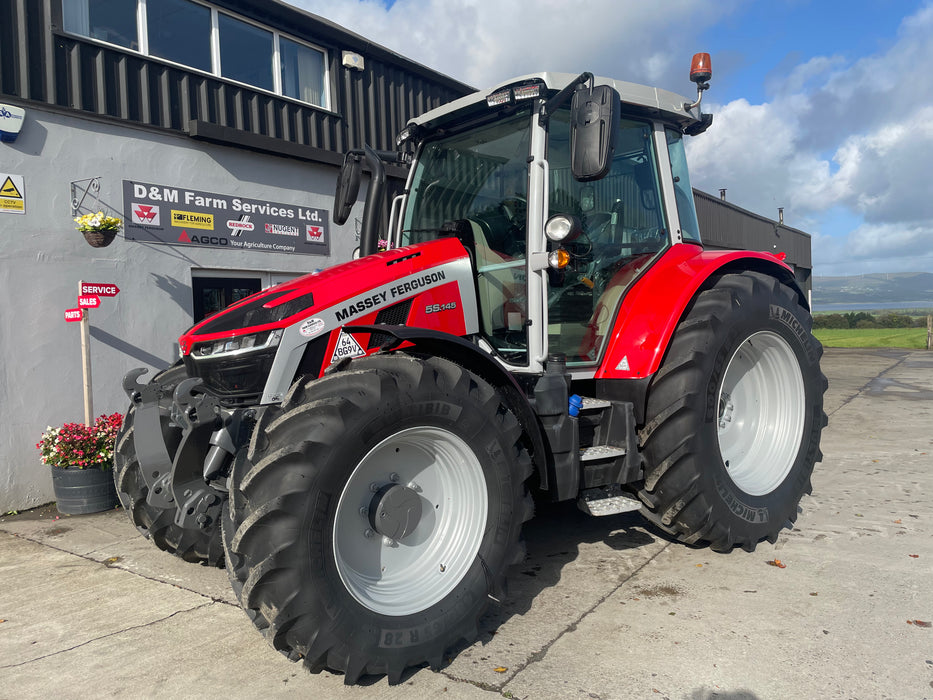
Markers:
39,63
724,225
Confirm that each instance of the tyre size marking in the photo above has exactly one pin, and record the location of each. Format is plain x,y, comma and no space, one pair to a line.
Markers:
437,308
399,638
745,512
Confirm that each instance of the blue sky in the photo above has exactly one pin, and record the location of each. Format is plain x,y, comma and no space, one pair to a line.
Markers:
824,108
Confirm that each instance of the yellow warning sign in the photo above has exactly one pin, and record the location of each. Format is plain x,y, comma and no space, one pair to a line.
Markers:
9,189
12,200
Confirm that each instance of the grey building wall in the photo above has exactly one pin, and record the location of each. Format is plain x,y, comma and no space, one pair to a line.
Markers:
44,257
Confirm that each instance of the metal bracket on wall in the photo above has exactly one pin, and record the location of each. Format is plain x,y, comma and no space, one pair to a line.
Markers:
84,188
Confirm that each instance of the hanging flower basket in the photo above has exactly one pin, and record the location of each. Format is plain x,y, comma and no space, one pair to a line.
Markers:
99,239
99,230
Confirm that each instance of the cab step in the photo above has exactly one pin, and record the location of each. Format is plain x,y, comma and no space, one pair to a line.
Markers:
606,500
588,454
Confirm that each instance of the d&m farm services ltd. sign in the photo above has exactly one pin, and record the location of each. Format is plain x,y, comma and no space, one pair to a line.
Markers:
179,216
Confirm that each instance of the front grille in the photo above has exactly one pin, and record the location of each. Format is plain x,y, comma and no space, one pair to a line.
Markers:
235,380
395,315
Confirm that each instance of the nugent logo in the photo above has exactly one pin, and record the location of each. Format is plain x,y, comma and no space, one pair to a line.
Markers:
282,229
146,214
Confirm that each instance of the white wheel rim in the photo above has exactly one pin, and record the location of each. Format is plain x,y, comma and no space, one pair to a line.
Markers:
412,574
762,407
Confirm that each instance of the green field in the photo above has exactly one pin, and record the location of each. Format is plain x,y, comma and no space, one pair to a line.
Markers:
913,338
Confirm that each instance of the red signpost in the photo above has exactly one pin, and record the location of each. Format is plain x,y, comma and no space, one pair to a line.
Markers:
89,294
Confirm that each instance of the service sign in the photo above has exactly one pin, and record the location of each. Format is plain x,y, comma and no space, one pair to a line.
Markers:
101,289
179,216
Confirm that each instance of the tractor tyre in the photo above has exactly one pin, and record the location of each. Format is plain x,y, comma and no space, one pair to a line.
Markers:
373,519
156,523
734,416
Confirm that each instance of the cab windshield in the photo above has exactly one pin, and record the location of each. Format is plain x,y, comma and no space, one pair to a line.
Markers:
474,185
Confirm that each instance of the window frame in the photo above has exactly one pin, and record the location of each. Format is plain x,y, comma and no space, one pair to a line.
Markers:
142,30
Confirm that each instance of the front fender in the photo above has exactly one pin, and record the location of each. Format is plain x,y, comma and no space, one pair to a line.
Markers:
651,310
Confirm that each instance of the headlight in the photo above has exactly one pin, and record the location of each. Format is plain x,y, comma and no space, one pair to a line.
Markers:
562,227
241,345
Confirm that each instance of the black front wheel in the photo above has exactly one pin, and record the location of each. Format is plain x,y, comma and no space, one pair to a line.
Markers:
199,545
373,519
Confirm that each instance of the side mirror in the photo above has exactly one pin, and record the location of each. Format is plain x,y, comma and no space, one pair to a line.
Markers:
348,187
594,121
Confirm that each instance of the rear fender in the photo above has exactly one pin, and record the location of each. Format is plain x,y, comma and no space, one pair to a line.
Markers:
651,310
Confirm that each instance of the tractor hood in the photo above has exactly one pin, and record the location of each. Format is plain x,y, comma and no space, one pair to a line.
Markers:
260,344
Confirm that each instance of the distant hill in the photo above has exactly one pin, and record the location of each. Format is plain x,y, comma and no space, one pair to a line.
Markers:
880,287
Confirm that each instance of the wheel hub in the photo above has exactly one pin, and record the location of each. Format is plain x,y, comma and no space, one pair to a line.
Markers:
395,511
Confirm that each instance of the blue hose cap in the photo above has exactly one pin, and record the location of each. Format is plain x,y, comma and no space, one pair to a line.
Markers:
576,403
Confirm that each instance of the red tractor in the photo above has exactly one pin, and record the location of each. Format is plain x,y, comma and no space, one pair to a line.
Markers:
361,445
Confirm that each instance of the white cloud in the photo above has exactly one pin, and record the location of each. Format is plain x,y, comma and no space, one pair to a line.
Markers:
855,138
838,135
482,42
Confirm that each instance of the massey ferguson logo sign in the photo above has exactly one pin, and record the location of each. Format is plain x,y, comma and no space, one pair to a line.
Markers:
178,216
146,215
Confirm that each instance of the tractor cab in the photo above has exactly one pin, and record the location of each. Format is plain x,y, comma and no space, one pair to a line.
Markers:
564,190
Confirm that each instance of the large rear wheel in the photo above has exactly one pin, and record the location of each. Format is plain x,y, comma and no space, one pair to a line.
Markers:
734,416
373,519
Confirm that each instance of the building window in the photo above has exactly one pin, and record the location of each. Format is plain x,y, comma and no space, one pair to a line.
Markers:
197,35
113,21
212,294
302,72
245,53
180,31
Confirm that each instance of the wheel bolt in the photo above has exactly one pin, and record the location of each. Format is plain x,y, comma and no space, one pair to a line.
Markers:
394,477
364,512
374,487
367,533
389,542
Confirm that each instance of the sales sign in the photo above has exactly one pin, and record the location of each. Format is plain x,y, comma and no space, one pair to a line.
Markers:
88,301
179,216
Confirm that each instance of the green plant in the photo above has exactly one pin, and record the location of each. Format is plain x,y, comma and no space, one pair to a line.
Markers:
98,222
81,446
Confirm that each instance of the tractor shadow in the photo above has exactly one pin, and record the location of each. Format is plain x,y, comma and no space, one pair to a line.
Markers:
553,539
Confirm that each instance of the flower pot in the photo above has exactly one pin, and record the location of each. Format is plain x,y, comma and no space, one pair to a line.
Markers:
99,239
79,491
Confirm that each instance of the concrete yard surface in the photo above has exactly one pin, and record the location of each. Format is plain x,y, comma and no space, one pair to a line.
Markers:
601,608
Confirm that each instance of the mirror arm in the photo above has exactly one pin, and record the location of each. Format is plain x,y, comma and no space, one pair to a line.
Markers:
375,199
561,97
